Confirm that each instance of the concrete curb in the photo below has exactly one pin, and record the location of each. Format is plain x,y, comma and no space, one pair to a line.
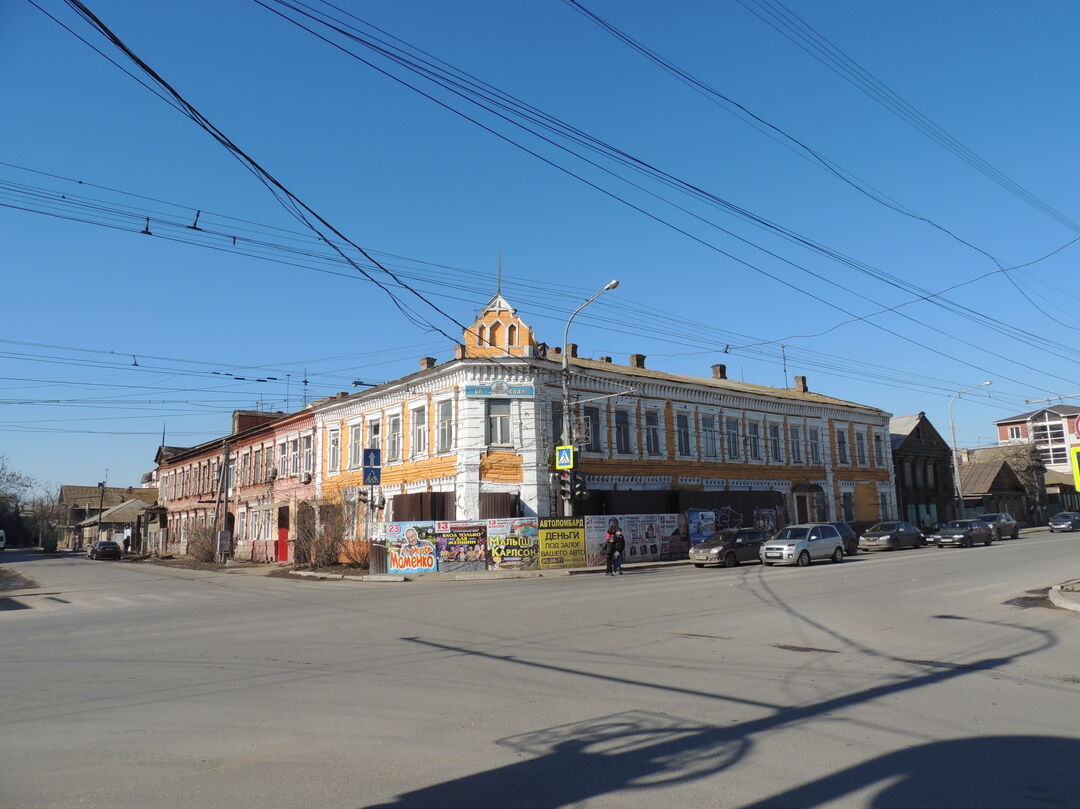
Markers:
1066,600
314,574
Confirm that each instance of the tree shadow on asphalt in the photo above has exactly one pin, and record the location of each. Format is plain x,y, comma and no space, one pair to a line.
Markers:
636,750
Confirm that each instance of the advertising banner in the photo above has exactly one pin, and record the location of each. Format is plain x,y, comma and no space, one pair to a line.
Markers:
410,547
562,542
461,546
649,537
513,544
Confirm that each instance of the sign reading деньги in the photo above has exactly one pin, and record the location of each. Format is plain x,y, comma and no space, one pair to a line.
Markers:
562,542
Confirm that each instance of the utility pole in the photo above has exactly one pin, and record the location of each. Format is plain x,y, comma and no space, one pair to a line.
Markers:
101,502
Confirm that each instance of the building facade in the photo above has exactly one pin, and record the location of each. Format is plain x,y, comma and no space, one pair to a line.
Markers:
1053,431
474,438
923,466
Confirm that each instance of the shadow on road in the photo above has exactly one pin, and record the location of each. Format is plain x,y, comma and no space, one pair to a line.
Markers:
569,764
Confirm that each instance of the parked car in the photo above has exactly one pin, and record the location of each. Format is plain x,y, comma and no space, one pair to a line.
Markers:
963,534
1002,525
728,547
891,536
1064,521
104,549
848,536
802,544
3,540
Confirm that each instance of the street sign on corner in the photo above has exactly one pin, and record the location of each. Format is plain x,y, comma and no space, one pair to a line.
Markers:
564,457
372,475
1074,462
372,457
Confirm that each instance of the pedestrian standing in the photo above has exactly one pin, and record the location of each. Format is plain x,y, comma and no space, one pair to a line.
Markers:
620,551
609,551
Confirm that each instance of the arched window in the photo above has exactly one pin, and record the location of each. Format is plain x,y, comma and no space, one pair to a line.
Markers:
480,335
494,333
511,335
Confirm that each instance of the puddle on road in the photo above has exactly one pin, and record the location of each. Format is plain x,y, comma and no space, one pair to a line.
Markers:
1038,597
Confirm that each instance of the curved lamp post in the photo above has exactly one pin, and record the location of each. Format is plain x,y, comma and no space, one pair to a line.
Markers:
567,436
955,452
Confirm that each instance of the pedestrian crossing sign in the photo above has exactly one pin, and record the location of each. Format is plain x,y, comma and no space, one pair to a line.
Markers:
564,457
1074,462
372,475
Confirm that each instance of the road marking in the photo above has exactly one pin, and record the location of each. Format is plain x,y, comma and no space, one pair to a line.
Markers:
971,590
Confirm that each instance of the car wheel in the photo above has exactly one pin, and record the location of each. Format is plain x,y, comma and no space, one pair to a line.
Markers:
767,564
838,555
852,549
804,559
894,544
1016,534
730,560
699,564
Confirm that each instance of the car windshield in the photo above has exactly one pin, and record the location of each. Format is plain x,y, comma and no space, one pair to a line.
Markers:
107,545
989,517
1065,515
885,527
795,532
957,525
720,536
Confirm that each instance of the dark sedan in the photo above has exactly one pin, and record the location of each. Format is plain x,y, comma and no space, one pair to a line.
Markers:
1065,521
104,549
1003,525
848,535
728,547
963,534
891,536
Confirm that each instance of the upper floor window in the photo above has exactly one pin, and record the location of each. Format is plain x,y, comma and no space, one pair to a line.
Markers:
753,433
775,449
841,446
356,446
734,440
879,450
498,421
374,439
709,436
393,439
305,449
795,440
419,431
682,433
294,457
813,444
622,432
1014,432
652,432
592,420
283,459
333,450
860,448
930,475
445,416
257,464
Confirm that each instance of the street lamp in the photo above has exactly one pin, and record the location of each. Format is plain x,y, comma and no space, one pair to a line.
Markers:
567,437
955,452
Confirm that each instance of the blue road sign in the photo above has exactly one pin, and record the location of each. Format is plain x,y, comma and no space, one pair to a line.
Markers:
372,475
564,457
372,457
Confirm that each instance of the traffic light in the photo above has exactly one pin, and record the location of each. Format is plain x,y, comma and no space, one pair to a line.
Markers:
580,488
564,485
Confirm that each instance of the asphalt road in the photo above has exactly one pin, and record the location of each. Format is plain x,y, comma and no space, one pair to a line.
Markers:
893,681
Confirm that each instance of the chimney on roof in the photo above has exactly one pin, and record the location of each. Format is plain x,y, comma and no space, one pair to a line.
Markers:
571,349
637,360
459,352
556,350
719,371
427,363
800,384
605,359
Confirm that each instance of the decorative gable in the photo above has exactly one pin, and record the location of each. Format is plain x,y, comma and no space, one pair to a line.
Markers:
499,332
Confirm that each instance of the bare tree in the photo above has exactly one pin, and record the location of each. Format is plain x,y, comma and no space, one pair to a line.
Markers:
202,543
319,535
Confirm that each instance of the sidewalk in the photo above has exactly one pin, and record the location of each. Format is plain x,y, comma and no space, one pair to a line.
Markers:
488,575
1066,595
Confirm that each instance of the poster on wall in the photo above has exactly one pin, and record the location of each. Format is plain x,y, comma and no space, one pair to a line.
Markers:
410,547
701,524
649,537
674,542
461,546
562,541
513,544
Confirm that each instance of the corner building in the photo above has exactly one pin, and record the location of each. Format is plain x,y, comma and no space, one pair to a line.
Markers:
474,438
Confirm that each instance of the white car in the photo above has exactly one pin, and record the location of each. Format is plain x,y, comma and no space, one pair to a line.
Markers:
802,544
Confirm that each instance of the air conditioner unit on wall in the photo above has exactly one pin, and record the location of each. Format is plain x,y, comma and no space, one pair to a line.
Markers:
305,478
273,474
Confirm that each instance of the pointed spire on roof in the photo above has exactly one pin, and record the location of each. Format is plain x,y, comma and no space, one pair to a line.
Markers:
498,303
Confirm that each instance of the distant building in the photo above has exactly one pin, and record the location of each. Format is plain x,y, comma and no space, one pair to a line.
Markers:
991,486
1053,430
76,503
119,524
923,465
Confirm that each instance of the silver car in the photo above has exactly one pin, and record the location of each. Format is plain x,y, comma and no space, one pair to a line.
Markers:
1003,525
802,544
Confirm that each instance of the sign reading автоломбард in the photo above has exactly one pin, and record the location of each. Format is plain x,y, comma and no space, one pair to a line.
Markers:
562,542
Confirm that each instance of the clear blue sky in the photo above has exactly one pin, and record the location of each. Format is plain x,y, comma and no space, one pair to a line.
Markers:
405,177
